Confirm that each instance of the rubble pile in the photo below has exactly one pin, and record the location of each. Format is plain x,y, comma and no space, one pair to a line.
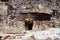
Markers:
51,34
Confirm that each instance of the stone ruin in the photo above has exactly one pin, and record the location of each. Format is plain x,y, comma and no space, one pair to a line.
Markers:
25,15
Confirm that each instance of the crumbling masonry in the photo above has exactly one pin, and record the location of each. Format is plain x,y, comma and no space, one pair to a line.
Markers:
22,15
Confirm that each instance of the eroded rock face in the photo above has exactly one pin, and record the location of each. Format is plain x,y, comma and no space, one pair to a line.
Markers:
14,27
42,25
13,8
3,8
26,6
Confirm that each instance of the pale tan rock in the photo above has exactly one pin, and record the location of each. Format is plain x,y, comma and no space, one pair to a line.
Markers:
31,38
3,8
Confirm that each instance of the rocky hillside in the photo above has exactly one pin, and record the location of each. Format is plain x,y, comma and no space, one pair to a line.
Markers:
11,8
9,27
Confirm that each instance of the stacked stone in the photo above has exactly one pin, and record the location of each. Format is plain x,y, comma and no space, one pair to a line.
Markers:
41,25
21,25
3,9
35,25
15,27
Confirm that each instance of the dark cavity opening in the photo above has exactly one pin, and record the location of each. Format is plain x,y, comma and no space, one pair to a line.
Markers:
41,16
12,17
4,0
35,16
28,25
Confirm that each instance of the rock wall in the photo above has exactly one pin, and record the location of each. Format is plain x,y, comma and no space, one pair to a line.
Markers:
42,25
16,7
3,8
15,27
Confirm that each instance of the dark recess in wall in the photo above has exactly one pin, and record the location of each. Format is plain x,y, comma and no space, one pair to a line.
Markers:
4,0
